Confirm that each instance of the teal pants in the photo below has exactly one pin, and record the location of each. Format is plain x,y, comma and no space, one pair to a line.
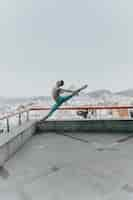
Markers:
60,100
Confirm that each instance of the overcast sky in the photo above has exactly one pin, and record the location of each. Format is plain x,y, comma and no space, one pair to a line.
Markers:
80,41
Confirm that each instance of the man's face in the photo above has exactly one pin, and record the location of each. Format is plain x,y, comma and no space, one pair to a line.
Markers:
58,83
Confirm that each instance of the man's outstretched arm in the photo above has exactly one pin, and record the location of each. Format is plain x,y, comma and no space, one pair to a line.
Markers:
66,90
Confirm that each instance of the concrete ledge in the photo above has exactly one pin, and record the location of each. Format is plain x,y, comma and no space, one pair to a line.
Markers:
12,141
86,126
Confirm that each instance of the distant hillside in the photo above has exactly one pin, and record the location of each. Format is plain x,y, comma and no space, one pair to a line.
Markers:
128,93
99,93
41,98
21,100
104,92
94,94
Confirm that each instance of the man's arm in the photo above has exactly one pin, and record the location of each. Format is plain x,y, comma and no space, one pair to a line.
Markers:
65,90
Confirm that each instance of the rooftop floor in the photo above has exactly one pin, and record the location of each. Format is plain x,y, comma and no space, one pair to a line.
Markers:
73,166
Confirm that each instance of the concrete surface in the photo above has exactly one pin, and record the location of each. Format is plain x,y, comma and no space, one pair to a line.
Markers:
72,166
86,126
12,141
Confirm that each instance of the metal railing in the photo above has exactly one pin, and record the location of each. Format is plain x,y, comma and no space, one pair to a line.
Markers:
97,112
84,107
82,111
9,116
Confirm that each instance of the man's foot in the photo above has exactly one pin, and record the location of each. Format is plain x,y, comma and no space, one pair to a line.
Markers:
76,92
43,119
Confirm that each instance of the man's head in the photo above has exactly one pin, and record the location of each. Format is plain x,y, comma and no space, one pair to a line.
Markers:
60,83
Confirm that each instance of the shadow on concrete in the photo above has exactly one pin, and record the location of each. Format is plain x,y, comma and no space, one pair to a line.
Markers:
4,173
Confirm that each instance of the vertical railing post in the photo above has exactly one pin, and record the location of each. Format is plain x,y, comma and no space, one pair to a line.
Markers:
27,115
7,125
19,119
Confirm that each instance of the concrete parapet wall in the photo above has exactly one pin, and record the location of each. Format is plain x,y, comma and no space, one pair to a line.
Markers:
12,141
86,126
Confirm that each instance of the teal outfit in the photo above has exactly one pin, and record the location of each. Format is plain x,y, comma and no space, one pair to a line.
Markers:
59,101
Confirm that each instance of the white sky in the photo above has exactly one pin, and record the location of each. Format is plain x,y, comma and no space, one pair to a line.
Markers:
80,41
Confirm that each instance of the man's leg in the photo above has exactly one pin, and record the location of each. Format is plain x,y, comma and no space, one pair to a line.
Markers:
60,101
66,98
74,93
53,109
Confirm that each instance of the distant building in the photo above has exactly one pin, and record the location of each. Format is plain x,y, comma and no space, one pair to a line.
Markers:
120,113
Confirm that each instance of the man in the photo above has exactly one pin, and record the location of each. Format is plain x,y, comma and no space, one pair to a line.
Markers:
59,100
